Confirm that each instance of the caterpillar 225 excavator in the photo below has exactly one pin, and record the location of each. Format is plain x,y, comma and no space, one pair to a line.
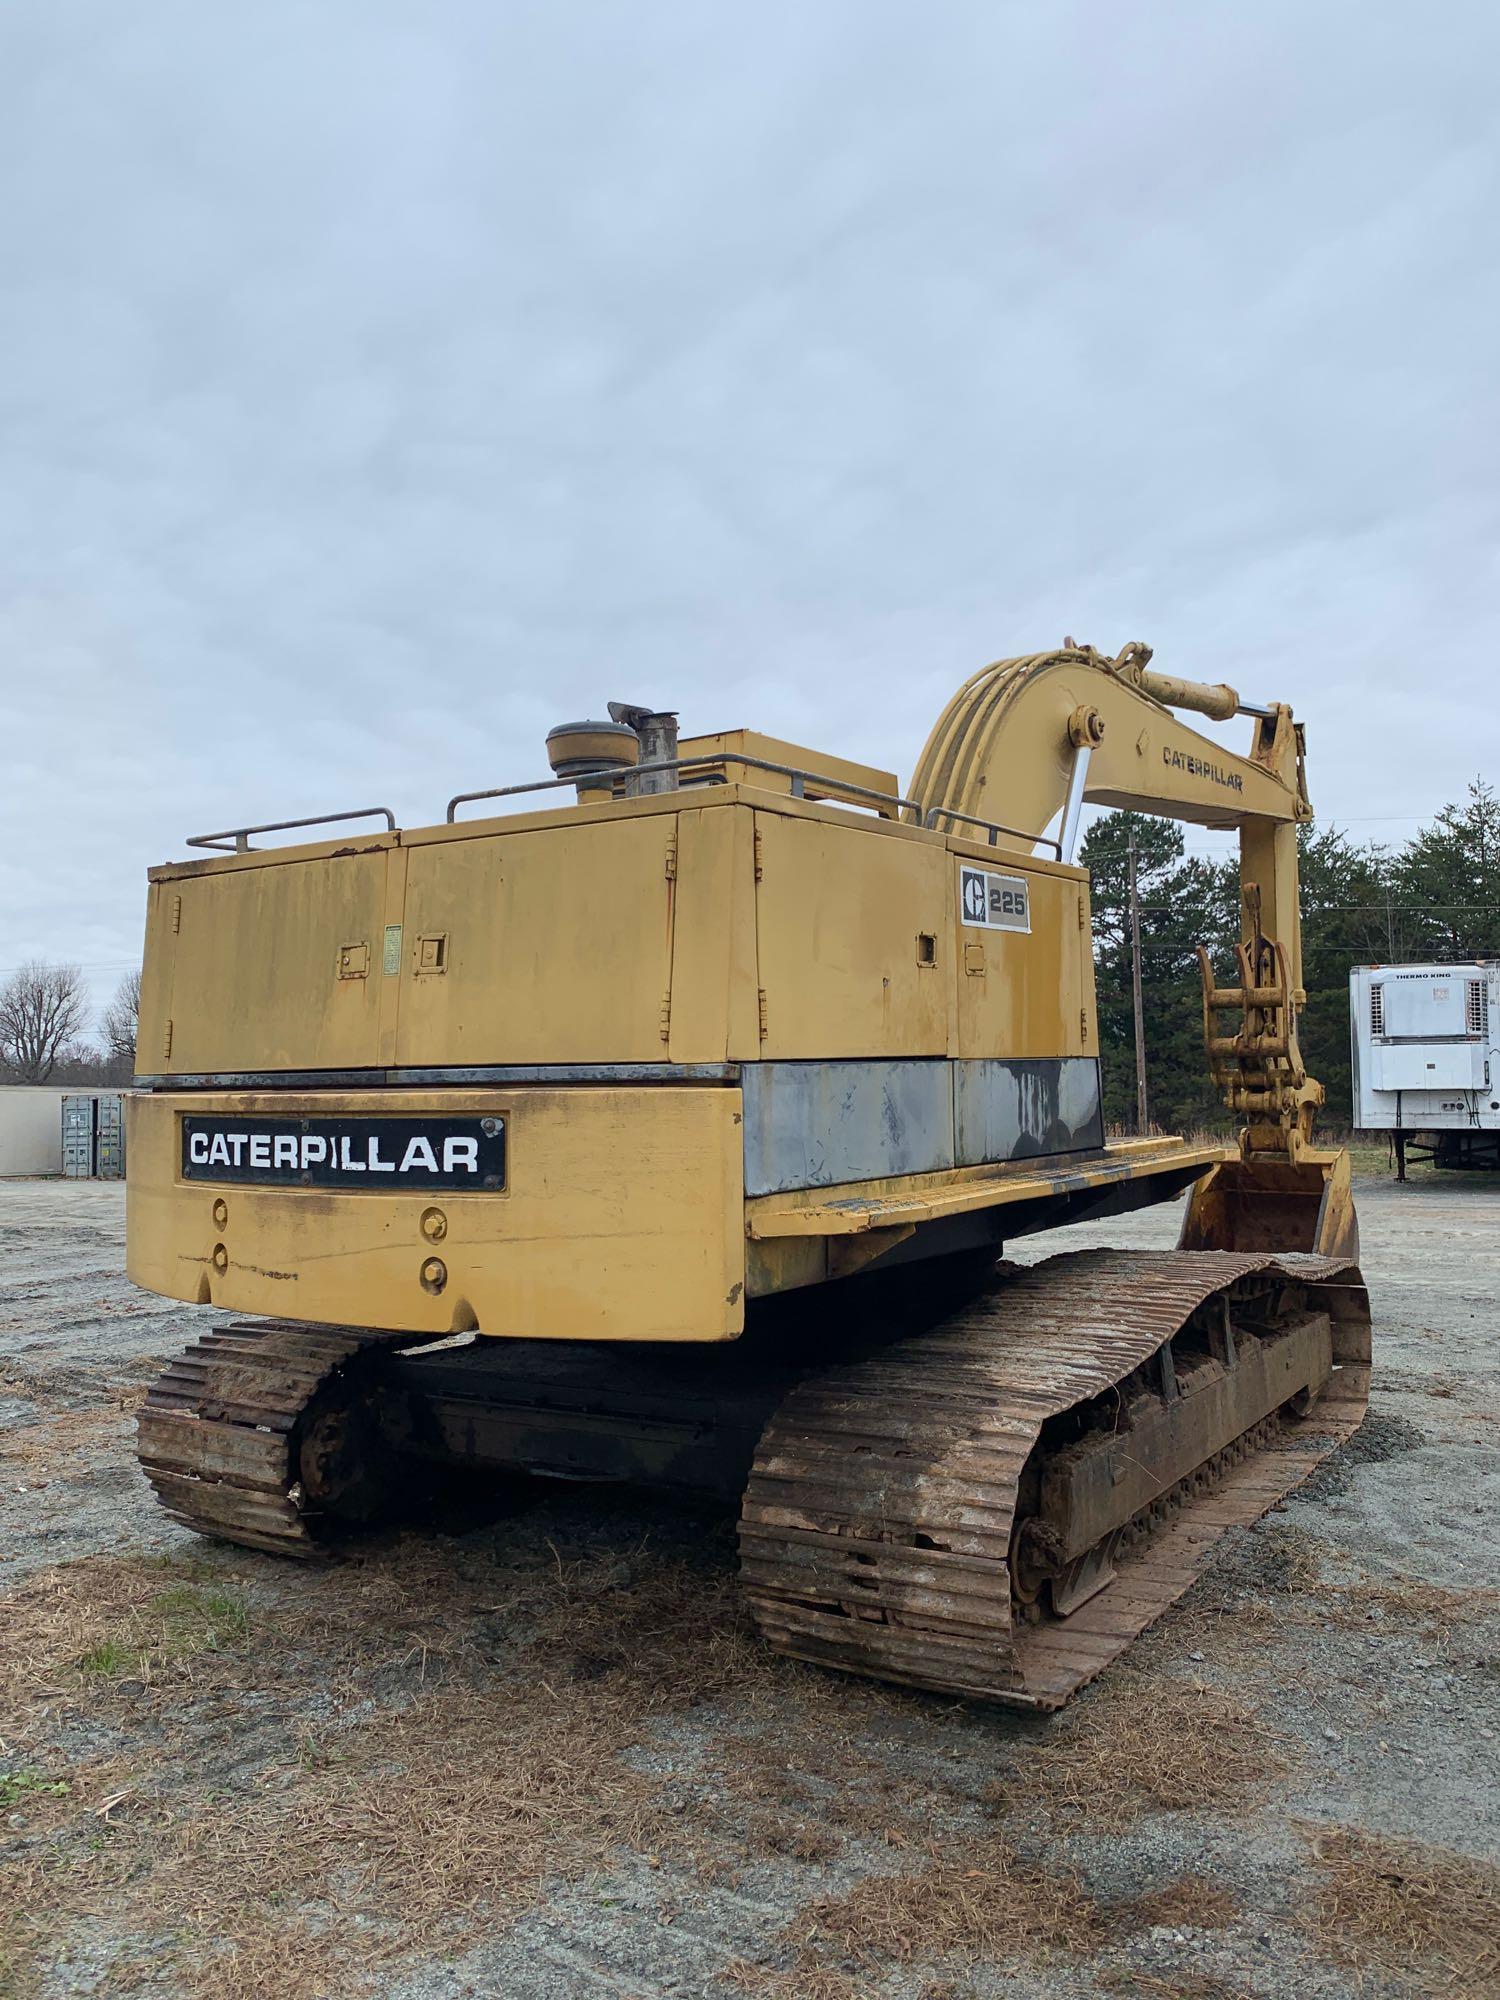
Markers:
665,1124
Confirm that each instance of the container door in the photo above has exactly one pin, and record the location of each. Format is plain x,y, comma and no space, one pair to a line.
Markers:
109,1144
853,938
1026,991
78,1137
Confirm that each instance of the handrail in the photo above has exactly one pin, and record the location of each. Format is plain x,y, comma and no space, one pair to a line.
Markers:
992,827
707,763
552,785
236,839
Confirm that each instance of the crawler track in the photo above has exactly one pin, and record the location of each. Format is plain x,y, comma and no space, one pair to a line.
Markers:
994,1508
222,1432
878,1524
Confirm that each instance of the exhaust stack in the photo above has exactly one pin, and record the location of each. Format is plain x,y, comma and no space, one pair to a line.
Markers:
656,732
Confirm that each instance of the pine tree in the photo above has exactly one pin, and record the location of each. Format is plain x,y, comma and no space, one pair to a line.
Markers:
1181,907
1186,902
1446,882
1344,923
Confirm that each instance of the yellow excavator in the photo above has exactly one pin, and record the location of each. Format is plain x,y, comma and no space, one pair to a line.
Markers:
664,1122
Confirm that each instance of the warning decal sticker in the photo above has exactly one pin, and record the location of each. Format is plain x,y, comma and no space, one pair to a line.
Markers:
993,902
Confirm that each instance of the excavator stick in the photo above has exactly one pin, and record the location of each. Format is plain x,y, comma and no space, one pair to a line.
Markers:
1283,1193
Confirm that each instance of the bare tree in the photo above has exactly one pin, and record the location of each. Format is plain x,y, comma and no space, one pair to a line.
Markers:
43,1009
120,1023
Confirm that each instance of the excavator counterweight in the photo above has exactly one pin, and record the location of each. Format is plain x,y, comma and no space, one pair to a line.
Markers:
666,1123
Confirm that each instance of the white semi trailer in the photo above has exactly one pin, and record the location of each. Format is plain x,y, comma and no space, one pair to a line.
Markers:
1426,1060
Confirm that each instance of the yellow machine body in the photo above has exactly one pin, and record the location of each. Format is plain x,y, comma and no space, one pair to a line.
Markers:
739,1040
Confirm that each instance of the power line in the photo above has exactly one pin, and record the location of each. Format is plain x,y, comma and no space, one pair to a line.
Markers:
1384,909
81,965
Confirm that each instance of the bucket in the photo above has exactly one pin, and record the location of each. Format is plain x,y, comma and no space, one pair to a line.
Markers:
1270,1202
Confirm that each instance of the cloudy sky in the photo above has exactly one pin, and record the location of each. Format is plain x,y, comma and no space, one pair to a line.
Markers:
381,383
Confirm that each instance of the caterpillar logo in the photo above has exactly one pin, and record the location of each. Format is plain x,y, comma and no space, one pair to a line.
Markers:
1202,767
994,902
346,1152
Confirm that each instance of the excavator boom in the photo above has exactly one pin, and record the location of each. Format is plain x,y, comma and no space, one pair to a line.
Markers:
1039,737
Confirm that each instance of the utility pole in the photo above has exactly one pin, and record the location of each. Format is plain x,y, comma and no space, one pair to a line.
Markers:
1135,994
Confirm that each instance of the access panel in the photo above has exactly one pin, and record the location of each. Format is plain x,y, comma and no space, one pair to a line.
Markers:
1025,963
853,940
265,967
553,946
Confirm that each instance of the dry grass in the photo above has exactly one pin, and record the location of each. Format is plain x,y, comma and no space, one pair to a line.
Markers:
1179,1986
407,1772
801,1983
1406,1600
1189,1902
95,1621
1289,1562
806,1779
988,1903
1406,1907
1289,1559
304,1778
1144,1743
436,1732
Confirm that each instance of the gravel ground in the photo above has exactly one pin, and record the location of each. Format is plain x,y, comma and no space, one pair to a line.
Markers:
538,1753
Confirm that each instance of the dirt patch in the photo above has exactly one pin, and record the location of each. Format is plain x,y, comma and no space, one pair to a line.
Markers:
45,1447
1382,1436
1404,1907
1276,1559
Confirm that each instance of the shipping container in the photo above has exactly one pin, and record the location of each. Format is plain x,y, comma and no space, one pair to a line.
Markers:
109,1137
93,1135
30,1130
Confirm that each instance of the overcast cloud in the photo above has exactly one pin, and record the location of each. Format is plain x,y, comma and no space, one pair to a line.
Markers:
380,384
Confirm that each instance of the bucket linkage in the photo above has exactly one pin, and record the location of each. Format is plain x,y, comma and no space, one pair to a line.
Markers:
1283,1192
